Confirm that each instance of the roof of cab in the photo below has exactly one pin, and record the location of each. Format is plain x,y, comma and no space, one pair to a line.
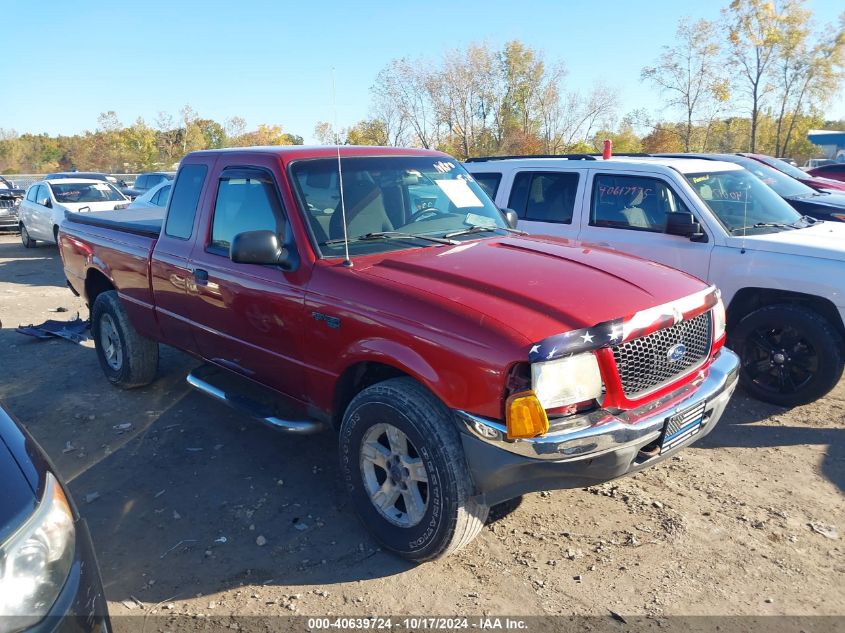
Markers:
682,165
293,152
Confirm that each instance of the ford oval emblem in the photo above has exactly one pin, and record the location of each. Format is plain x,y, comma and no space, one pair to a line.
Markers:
676,352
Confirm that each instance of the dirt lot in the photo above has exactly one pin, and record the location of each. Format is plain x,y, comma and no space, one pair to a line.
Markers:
179,493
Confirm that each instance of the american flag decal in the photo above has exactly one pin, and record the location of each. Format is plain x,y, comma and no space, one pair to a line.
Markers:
610,333
575,341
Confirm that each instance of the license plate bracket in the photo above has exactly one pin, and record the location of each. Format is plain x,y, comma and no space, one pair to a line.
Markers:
681,426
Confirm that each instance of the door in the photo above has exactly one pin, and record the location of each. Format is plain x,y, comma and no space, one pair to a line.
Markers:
628,212
247,317
545,201
170,268
28,209
40,222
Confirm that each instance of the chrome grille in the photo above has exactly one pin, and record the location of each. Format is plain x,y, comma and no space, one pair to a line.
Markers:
7,203
644,364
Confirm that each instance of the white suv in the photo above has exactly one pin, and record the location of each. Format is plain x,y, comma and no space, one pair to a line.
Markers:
782,275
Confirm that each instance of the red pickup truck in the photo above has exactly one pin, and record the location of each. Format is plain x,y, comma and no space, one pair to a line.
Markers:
378,292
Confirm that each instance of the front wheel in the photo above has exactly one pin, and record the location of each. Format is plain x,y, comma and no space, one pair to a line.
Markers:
402,462
790,354
128,359
26,240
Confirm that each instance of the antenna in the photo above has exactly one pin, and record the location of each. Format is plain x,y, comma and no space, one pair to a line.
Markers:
744,218
346,262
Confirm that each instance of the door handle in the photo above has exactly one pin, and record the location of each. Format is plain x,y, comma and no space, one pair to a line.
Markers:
201,276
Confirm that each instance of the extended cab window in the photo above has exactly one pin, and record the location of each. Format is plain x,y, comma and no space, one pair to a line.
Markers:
633,202
246,201
544,196
489,183
160,197
184,201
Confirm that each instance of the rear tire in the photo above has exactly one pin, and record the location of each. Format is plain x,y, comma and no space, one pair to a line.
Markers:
398,442
791,355
26,240
128,359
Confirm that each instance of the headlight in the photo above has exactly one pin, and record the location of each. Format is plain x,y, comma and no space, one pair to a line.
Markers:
718,320
565,381
36,560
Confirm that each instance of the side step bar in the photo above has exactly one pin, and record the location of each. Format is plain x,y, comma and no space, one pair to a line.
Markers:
227,390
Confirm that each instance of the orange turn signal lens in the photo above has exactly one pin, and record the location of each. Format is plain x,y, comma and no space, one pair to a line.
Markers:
525,416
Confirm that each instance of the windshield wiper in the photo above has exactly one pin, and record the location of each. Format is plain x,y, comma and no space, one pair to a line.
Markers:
807,220
480,228
391,235
777,225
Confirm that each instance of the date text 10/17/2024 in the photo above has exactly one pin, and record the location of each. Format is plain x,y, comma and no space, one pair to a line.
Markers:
416,623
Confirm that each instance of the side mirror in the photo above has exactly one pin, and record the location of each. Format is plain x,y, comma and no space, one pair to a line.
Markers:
48,203
685,225
261,247
511,218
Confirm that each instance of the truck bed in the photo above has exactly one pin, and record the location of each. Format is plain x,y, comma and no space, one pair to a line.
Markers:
146,222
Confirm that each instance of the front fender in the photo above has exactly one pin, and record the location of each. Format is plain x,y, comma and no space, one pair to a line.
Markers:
396,355
460,383
732,270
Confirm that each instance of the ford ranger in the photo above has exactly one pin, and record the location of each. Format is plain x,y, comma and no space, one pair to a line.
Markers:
378,292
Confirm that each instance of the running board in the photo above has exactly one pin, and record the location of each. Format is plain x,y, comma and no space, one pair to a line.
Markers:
249,399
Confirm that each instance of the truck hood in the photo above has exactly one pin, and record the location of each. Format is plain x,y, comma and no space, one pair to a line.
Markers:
538,286
828,200
825,240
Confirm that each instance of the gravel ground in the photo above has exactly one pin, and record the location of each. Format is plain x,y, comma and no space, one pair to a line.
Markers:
195,510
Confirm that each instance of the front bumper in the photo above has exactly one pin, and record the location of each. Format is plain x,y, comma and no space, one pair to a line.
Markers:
9,220
591,448
81,604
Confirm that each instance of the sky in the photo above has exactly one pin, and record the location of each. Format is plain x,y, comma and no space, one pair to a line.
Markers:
271,61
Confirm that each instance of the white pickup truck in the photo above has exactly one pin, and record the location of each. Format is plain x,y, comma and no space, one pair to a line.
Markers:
782,275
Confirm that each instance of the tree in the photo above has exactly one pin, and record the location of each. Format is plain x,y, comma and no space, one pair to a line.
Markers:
140,140
807,73
754,33
266,135
661,139
214,134
324,131
406,84
234,127
368,132
167,137
690,76
570,121
460,92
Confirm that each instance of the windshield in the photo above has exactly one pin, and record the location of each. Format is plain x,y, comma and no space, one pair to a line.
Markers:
74,192
783,184
417,195
740,201
782,165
